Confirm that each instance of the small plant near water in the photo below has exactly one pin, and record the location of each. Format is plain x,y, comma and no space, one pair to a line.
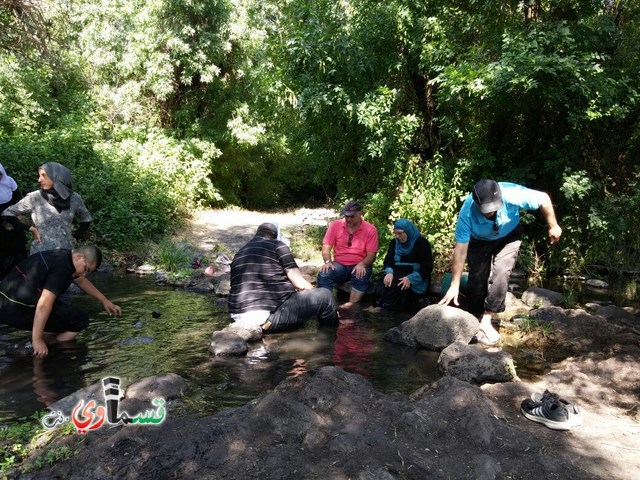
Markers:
528,325
170,256
50,458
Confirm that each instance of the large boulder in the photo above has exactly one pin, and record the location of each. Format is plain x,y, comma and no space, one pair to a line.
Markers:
477,365
435,327
168,386
513,303
581,332
541,297
138,396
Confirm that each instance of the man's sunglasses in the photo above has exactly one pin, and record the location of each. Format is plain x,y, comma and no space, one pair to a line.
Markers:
350,240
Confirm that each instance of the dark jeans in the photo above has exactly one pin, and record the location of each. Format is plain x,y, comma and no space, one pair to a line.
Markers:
301,306
341,274
490,266
63,317
394,296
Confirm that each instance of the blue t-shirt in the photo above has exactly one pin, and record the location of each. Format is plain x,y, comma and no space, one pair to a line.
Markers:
472,223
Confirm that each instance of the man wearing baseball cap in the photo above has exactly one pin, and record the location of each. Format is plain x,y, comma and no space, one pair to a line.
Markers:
354,243
487,236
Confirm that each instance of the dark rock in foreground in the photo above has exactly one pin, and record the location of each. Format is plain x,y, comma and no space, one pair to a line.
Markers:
330,424
473,364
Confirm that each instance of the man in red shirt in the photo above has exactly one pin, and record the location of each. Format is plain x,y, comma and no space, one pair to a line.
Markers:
354,243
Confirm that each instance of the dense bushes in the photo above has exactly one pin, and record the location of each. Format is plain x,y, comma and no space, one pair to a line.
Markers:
159,105
135,190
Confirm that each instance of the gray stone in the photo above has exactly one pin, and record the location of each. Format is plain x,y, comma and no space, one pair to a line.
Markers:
434,328
485,467
223,287
511,302
476,365
145,269
449,429
168,386
595,283
247,333
203,287
619,315
592,307
68,403
227,344
541,297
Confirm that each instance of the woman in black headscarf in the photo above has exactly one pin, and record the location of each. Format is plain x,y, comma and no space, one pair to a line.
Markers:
53,209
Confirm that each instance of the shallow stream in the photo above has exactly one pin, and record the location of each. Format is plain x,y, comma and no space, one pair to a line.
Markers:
164,330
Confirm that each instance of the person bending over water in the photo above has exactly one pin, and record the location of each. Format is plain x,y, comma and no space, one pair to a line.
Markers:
29,295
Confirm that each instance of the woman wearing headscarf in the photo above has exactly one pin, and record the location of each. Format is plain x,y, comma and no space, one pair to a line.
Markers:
53,209
407,267
12,237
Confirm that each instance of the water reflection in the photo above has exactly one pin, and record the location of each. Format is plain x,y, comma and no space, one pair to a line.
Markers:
354,347
162,330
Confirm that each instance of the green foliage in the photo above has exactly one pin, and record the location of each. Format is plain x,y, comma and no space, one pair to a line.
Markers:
15,441
151,183
164,105
170,257
306,242
50,458
528,325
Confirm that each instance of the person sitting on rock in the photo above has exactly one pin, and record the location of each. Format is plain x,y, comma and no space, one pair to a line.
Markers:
407,267
354,243
28,294
268,289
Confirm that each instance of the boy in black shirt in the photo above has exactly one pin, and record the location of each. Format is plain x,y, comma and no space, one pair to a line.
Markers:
28,294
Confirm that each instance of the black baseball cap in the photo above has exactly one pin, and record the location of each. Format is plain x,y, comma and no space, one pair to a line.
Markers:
488,196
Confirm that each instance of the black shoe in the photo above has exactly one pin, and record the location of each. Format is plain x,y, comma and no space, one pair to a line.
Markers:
575,412
552,414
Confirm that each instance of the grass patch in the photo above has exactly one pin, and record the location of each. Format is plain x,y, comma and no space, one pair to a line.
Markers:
306,242
528,325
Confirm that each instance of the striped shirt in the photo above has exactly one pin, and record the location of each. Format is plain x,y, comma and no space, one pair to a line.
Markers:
258,276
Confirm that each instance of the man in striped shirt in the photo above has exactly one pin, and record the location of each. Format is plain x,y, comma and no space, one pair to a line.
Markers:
268,289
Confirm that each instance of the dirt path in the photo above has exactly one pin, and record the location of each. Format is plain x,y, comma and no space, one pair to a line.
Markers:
209,229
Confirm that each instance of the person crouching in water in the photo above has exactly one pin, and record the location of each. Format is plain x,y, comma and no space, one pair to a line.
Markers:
28,294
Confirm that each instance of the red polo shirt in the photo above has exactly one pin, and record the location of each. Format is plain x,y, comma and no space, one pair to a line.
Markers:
364,241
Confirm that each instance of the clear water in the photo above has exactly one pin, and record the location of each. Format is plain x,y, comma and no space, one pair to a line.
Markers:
137,345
